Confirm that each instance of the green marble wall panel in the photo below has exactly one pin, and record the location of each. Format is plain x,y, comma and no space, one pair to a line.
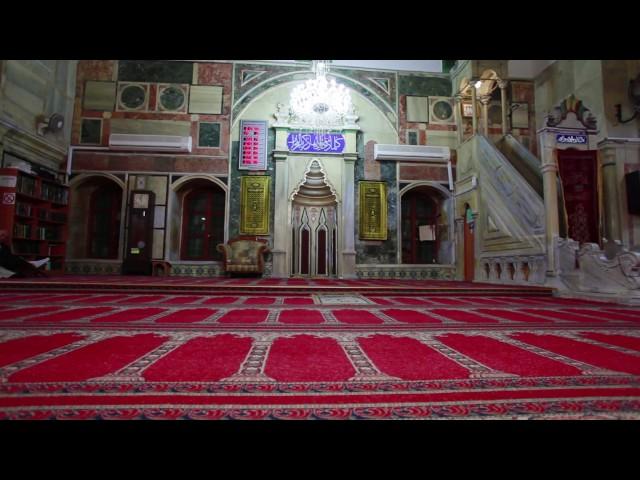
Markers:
155,71
370,251
209,134
91,131
234,189
424,86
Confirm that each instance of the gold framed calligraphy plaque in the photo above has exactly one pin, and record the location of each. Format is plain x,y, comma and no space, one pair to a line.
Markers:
373,210
254,209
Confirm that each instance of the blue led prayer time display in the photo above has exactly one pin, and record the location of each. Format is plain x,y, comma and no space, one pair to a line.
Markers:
313,142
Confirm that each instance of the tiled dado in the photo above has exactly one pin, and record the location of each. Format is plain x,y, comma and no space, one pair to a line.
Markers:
92,268
197,270
410,272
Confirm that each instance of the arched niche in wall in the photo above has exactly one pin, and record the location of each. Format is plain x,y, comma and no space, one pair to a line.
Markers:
374,124
82,189
443,234
177,194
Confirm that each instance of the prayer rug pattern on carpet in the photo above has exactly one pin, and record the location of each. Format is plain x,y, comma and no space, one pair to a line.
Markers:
269,356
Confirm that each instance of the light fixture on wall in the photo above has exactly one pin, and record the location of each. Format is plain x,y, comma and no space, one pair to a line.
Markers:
320,104
634,95
54,123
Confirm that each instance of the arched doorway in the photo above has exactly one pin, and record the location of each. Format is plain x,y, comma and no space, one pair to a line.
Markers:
103,222
202,222
314,233
420,226
95,217
469,242
578,176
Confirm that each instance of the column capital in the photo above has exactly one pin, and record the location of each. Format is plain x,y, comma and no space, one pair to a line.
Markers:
485,99
502,84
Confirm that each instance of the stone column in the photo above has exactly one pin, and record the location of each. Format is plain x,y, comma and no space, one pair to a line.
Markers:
281,223
612,224
347,267
502,84
549,169
460,123
474,119
459,247
485,99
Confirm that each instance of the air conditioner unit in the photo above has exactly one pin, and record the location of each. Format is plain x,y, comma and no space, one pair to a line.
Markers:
412,153
155,143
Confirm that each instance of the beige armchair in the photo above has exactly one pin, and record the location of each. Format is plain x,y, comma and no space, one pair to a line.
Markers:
244,255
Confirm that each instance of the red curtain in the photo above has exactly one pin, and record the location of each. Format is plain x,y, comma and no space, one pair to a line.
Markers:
579,183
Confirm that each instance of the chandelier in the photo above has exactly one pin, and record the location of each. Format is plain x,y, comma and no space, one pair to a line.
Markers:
320,104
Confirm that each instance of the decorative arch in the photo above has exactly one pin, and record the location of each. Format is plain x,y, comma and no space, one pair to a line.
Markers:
572,105
370,95
84,177
178,192
314,221
444,231
320,167
178,184
96,210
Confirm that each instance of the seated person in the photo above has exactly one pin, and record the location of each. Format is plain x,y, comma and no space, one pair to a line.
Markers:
17,266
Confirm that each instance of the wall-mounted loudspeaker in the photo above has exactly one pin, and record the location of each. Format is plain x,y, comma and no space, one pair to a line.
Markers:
632,180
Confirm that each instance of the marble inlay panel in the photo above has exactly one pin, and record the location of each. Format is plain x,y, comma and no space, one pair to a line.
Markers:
209,134
155,71
99,96
424,86
418,109
91,131
206,99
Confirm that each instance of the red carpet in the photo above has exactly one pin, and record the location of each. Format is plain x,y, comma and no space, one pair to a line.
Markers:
22,312
300,317
201,360
356,317
308,359
409,359
72,314
129,315
101,358
410,316
244,316
191,354
187,315
506,358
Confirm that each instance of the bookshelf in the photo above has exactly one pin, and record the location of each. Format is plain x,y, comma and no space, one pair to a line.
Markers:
34,211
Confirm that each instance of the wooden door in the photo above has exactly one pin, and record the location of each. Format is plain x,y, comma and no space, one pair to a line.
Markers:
419,209
140,235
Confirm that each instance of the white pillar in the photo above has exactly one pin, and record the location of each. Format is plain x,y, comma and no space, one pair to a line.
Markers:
474,119
485,99
348,264
281,223
612,224
502,84
549,169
